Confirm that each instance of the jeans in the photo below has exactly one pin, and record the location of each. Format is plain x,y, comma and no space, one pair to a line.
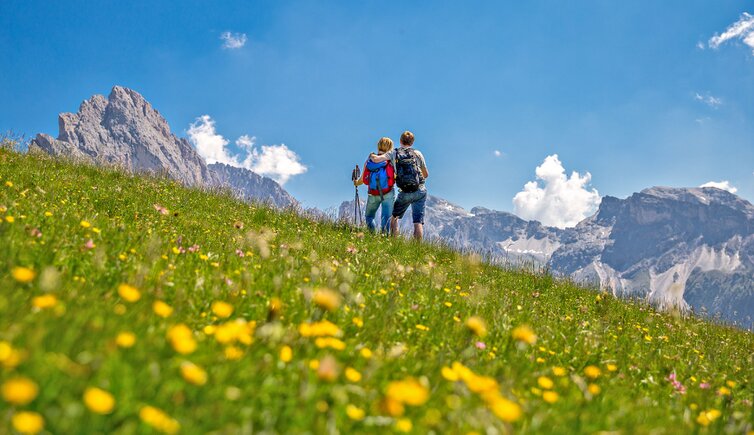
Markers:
373,203
416,200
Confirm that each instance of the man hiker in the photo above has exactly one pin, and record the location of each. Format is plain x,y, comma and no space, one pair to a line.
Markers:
410,175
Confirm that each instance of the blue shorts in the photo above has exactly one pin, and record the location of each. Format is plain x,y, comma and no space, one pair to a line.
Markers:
416,200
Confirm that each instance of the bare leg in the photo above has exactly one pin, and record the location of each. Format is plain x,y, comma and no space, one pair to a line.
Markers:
394,226
418,231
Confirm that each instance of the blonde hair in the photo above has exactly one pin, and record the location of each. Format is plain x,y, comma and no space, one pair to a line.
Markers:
384,145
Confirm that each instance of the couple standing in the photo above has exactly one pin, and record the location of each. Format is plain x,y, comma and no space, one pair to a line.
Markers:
404,167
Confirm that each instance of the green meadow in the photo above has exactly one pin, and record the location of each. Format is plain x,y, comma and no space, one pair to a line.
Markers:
131,304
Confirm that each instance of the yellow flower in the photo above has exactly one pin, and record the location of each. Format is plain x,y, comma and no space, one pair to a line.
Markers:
331,342
545,382
505,410
99,401
477,326
594,389
326,299
355,413
559,371
286,354
125,340
27,422
238,330
10,219
318,329
550,396
612,367
592,372
222,309
358,321
44,301
524,334
19,390
365,353
449,374
233,353
723,391
159,420
85,224
707,417
23,274
192,373
352,374
9,357
403,425
129,293
162,309
182,339
422,327
731,384
48,214
408,391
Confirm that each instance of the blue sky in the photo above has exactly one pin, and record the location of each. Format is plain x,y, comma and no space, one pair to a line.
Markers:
631,92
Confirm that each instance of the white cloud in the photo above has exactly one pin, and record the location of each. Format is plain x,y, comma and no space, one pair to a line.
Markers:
700,45
724,185
275,161
561,201
209,144
497,153
710,100
742,29
233,40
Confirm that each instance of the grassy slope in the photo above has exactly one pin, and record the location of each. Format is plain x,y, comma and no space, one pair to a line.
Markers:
392,285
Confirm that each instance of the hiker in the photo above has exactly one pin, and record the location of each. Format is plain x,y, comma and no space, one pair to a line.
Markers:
410,175
379,178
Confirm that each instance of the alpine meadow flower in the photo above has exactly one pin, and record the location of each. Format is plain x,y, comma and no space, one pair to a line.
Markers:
408,391
592,372
162,309
27,422
524,334
129,293
355,413
159,420
182,339
326,299
125,340
19,390
44,301
193,374
222,309
286,354
477,326
99,401
24,275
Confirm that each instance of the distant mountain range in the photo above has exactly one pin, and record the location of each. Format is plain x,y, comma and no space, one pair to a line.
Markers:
685,247
125,130
676,247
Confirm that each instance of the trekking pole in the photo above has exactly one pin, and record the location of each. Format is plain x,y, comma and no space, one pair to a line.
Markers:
355,175
357,209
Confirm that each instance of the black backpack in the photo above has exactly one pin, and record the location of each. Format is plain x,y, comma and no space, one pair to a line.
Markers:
408,175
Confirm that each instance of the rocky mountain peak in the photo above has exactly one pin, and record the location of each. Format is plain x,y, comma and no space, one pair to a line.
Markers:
125,130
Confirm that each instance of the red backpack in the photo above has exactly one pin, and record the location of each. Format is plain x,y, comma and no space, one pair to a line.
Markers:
379,177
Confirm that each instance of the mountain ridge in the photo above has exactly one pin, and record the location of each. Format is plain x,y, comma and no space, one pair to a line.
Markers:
648,245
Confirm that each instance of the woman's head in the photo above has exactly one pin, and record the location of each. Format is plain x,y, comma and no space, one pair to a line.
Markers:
384,145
